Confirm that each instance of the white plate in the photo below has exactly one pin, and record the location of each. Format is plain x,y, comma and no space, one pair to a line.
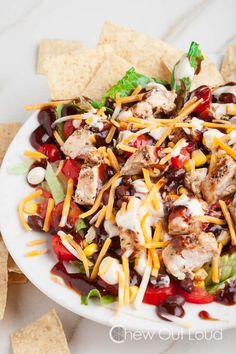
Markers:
37,269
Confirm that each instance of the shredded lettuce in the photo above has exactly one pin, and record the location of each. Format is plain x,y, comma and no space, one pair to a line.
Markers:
81,224
21,168
59,127
195,57
104,300
131,80
227,272
54,184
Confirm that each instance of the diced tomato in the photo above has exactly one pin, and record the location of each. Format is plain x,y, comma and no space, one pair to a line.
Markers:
42,207
197,296
71,169
103,173
68,128
51,151
61,252
203,92
141,141
180,160
72,219
155,295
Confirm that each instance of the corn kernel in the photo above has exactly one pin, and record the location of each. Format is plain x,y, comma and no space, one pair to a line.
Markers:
199,283
200,274
133,290
199,158
91,249
171,144
231,109
182,190
30,207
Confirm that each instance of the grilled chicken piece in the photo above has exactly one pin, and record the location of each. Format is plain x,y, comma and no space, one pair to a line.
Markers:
141,158
186,254
157,100
88,185
129,241
194,182
221,178
79,145
181,222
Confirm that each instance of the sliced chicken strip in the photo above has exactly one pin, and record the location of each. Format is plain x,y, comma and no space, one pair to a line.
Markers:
221,178
193,182
88,185
186,254
79,145
141,158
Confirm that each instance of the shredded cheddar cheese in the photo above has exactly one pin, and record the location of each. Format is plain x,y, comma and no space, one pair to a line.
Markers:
36,253
35,155
99,197
58,138
225,147
111,198
158,233
36,242
229,221
130,99
101,216
35,107
136,90
113,160
147,179
100,258
160,244
50,206
135,135
125,264
59,168
66,205
110,134
127,148
34,195
210,219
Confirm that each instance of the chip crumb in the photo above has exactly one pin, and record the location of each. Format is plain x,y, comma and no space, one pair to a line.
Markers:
3,278
17,278
53,47
44,336
228,68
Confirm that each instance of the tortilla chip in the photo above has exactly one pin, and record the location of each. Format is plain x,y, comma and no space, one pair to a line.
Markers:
7,133
3,278
12,266
109,72
44,336
69,74
16,278
209,74
144,52
54,47
228,69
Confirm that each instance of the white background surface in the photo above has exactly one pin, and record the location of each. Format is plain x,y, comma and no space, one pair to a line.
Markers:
22,24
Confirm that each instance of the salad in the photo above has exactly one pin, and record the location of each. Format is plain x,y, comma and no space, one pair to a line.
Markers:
137,190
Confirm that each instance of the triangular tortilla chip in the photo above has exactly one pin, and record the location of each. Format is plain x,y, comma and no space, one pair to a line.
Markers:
54,47
7,133
109,72
228,69
3,278
44,336
69,74
144,52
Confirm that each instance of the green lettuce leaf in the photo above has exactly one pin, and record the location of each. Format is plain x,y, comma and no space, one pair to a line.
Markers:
227,272
59,127
104,300
81,224
128,83
54,184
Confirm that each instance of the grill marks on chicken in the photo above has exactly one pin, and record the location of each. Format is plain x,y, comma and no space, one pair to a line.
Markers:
221,178
141,158
184,254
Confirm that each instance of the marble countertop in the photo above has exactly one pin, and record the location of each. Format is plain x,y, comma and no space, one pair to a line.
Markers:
22,25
